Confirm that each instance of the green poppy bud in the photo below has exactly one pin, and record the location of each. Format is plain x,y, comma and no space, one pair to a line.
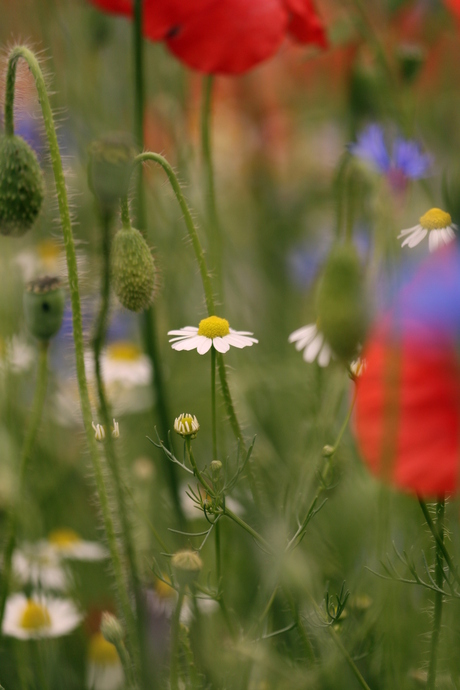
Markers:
133,270
186,565
44,302
341,306
111,159
410,61
21,186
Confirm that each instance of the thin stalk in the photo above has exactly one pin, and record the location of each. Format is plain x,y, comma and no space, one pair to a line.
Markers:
258,537
307,645
439,538
37,652
109,444
23,52
197,472
213,403
439,597
175,624
215,232
29,443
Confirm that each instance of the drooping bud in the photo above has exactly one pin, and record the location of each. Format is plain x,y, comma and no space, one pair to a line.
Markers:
186,565
44,302
111,628
340,302
111,159
21,186
133,270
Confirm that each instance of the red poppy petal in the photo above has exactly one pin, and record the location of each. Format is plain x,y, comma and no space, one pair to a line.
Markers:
453,6
164,17
116,6
408,413
230,36
305,25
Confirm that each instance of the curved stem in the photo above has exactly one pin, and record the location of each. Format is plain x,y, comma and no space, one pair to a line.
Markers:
23,52
29,442
215,233
439,597
258,537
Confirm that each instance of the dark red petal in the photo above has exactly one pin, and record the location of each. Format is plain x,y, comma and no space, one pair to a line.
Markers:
165,17
407,418
305,25
453,6
229,36
116,6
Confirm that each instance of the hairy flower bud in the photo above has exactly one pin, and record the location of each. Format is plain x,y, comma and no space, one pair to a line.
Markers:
111,158
133,270
186,565
21,186
44,302
111,628
340,302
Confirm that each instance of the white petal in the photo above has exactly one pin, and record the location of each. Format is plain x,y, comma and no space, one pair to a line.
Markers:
221,344
434,240
188,330
324,356
204,345
409,231
189,343
232,330
301,344
312,350
416,238
448,235
303,332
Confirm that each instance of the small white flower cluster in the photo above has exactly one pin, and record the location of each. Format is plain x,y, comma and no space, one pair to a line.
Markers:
99,431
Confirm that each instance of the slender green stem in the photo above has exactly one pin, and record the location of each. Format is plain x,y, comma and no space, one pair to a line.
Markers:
29,443
213,403
37,652
438,597
218,551
124,209
23,52
113,461
126,663
308,648
258,537
139,102
439,538
197,472
215,232
355,670
175,624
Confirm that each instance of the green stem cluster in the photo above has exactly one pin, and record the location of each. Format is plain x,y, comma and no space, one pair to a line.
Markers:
22,52
439,597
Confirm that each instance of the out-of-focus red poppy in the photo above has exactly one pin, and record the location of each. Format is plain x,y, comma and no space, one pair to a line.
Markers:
225,36
453,6
407,419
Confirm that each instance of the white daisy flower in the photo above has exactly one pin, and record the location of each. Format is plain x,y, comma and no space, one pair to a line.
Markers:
435,223
312,342
104,670
65,543
192,511
358,367
186,425
43,569
212,331
16,354
31,619
163,600
48,257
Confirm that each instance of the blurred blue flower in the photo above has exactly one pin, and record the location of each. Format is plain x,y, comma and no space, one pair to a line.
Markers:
406,160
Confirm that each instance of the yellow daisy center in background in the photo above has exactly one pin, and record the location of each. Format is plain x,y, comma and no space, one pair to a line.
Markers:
124,351
164,590
35,616
102,652
213,327
63,538
49,251
435,219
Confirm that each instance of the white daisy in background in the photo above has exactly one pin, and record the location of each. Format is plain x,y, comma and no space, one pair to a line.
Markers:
435,223
192,511
163,599
358,367
66,543
104,670
39,616
47,258
312,342
16,354
212,331
42,569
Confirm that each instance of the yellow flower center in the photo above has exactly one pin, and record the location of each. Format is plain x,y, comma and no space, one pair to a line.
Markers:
35,616
164,590
213,327
62,538
49,251
435,219
124,351
102,652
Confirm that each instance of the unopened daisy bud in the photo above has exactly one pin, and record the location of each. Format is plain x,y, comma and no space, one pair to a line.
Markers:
133,270
216,472
21,186
328,451
111,628
99,431
116,430
44,302
186,425
340,302
186,565
111,159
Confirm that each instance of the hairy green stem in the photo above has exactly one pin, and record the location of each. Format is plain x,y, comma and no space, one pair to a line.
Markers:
23,52
438,597
439,538
215,232
175,625
29,442
258,537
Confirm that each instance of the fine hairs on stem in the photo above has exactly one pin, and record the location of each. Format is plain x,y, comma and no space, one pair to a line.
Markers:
22,52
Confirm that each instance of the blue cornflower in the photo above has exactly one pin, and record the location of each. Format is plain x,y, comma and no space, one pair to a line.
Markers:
406,160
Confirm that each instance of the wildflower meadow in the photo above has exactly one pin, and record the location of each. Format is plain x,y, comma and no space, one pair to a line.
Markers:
229,345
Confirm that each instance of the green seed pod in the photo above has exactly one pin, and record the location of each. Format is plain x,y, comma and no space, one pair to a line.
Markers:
21,186
111,159
186,565
342,314
44,302
133,270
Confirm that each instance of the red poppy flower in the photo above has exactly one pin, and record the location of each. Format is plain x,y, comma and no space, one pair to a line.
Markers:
225,36
407,418
453,6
